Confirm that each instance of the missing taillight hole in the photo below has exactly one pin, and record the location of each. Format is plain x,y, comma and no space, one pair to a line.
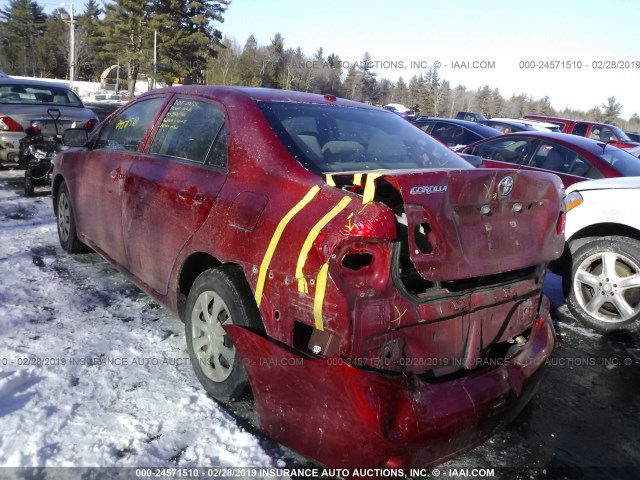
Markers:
421,236
356,261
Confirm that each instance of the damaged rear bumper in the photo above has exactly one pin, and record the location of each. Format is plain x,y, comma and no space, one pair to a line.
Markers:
347,417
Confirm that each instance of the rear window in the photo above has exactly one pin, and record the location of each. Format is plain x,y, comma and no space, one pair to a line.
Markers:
328,138
38,95
623,162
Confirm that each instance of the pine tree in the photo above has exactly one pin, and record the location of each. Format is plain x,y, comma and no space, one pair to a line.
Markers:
611,110
24,25
187,37
126,36
88,38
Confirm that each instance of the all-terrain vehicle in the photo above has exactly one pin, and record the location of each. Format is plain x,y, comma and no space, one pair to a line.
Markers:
36,153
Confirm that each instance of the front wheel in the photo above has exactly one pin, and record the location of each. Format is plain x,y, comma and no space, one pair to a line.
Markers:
219,297
604,284
66,222
29,183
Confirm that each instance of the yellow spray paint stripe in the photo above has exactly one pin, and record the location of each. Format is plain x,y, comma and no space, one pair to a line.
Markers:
357,179
370,188
264,266
318,300
330,181
311,237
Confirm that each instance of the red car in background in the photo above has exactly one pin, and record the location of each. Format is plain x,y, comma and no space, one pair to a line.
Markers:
366,283
572,158
602,132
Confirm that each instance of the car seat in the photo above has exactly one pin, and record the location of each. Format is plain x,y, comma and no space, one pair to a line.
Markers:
554,161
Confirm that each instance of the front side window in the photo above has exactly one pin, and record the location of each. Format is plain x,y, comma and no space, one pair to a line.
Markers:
602,134
188,130
331,138
125,131
511,150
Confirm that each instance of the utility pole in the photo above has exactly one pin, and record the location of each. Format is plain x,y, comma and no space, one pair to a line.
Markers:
155,58
72,49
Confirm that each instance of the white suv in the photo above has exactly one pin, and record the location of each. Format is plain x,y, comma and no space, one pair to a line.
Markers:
601,263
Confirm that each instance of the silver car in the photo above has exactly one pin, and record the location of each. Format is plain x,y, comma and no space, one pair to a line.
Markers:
51,107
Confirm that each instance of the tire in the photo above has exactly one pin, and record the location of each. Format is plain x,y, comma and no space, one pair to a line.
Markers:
604,284
29,184
66,222
219,296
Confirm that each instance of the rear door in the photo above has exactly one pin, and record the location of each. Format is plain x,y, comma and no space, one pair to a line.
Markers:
564,162
171,188
99,186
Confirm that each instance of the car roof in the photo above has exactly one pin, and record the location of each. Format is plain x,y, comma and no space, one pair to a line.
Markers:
261,94
592,146
543,117
473,126
30,82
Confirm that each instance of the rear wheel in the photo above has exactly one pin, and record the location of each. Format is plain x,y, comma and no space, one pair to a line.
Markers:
604,285
219,297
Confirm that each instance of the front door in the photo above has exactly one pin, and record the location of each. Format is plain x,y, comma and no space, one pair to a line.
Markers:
106,167
170,190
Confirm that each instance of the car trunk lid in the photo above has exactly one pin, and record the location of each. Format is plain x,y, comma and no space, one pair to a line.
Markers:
473,222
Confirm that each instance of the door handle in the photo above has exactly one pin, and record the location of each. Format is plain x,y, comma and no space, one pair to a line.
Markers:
117,174
191,195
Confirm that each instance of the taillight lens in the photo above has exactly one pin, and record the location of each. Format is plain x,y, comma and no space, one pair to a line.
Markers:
90,124
560,224
8,124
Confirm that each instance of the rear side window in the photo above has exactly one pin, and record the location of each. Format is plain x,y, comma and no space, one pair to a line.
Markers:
125,131
580,129
188,130
449,134
511,150
557,158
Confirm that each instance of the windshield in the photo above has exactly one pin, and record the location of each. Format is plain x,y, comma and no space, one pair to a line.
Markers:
621,135
331,138
623,162
38,95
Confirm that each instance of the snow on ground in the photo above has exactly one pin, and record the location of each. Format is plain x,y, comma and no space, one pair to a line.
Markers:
92,371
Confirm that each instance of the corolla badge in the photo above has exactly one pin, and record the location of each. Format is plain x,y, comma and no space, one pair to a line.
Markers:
505,186
428,189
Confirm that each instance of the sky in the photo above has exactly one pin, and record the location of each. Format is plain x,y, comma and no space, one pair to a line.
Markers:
503,39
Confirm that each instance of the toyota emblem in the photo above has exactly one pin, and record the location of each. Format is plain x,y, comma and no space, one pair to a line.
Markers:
505,186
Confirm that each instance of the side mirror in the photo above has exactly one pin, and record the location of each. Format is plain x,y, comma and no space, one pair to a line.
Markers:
75,137
474,160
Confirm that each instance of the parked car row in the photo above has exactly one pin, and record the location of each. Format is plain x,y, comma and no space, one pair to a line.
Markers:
307,228
572,158
596,131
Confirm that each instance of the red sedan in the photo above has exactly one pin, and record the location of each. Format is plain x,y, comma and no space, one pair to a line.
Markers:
365,282
572,158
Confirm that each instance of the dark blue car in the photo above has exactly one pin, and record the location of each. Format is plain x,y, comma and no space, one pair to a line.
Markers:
456,134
